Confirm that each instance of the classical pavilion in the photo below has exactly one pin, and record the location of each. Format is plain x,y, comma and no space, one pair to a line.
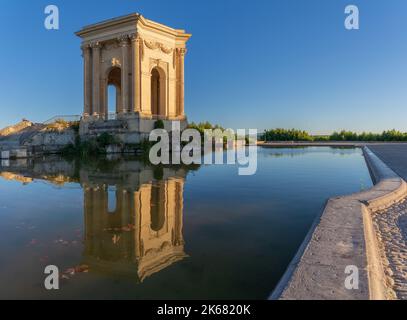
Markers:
144,62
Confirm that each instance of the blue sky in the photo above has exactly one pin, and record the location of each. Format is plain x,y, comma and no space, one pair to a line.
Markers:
250,64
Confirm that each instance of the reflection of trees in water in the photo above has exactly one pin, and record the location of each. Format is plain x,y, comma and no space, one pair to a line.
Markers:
58,170
297,151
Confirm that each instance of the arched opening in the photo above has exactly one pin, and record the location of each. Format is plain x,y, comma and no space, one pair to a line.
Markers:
114,92
111,200
157,92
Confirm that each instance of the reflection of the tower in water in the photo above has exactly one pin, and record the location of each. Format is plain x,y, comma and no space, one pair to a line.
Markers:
132,212
130,230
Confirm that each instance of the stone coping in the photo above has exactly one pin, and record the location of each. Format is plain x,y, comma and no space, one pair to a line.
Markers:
343,235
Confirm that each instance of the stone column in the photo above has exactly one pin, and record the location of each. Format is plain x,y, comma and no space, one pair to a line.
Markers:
137,222
96,77
136,43
103,110
87,80
123,40
179,212
181,111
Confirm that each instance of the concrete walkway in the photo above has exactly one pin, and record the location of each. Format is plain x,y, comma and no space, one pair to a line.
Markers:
391,223
394,155
366,230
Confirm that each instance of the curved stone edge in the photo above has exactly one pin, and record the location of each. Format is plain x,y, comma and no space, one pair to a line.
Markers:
343,235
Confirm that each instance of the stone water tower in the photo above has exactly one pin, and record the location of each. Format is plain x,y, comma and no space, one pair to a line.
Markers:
144,62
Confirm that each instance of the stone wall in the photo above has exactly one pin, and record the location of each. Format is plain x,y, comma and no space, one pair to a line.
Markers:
128,129
52,139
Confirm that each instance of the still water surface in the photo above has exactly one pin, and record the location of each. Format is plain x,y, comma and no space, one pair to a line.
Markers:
123,229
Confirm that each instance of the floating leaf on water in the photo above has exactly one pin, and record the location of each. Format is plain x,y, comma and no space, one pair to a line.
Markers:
82,268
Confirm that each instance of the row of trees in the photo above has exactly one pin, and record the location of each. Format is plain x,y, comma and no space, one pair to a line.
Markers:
202,126
298,135
390,135
286,135
301,135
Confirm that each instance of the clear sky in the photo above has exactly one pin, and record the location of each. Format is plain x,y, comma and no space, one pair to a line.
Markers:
250,64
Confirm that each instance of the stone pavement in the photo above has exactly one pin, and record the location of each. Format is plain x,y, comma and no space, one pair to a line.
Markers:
394,155
391,224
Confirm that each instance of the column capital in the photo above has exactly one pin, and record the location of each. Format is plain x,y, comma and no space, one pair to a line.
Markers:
95,45
182,51
85,46
135,37
123,40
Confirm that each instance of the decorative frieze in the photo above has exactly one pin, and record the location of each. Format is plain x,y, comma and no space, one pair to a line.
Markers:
154,45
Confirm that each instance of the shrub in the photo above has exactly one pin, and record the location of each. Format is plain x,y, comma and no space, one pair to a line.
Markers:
106,139
158,172
61,124
159,124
